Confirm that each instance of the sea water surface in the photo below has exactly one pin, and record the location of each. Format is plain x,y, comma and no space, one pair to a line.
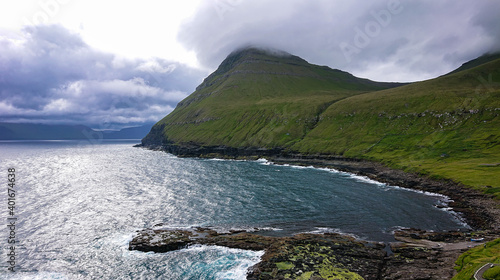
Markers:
78,205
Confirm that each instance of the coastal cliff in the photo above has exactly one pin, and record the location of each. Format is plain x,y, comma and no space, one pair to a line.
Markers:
440,136
269,103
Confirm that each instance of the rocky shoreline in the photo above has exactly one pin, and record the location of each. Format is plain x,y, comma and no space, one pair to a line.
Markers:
479,211
417,255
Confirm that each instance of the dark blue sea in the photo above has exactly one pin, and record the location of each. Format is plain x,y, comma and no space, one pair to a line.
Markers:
78,204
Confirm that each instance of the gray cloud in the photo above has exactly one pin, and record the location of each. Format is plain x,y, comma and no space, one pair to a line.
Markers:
386,40
51,75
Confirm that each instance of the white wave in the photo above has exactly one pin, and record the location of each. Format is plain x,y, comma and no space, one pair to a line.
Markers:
244,260
393,230
331,170
264,161
300,166
365,179
243,228
177,227
121,239
458,217
321,230
238,272
256,229
442,196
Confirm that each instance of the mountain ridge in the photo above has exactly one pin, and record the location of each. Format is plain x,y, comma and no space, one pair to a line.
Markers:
257,103
30,131
253,78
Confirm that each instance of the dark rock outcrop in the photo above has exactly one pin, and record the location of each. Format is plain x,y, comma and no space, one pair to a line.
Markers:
418,255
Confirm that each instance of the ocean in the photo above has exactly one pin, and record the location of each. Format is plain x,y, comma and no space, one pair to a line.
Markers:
78,204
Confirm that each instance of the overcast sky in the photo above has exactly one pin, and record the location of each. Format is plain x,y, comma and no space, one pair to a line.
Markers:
112,64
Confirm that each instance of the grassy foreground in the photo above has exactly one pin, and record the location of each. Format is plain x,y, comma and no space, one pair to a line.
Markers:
469,262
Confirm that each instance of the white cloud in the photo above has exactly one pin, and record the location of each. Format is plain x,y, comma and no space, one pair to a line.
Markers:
407,40
53,75
153,66
118,60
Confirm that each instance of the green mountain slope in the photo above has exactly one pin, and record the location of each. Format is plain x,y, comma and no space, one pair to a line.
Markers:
448,127
258,99
476,62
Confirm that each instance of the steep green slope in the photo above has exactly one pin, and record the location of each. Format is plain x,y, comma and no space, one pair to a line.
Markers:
258,98
476,62
447,127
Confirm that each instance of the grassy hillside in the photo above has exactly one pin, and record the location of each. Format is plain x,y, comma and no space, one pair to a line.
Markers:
448,127
476,62
258,99
469,262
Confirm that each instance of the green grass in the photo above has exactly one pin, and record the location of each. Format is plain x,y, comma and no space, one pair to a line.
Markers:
469,262
329,268
284,265
446,128
273,102
492,273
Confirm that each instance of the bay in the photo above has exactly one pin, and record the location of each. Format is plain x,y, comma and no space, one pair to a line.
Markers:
79,204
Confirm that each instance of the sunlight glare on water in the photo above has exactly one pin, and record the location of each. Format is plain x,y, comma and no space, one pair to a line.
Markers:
80,204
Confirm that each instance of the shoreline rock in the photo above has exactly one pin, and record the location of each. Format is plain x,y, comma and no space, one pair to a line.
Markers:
418,254
479,210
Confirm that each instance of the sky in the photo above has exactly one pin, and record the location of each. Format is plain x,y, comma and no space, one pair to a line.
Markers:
114,64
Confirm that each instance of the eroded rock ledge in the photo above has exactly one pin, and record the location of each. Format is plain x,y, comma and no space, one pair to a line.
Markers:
418,255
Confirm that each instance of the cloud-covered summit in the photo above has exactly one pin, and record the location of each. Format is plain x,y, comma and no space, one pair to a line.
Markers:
386,40
50,75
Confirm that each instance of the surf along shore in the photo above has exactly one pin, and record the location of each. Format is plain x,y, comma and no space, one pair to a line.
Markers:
416,255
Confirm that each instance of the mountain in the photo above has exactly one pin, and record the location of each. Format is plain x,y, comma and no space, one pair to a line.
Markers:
258,98
25,131
137,132
476,62
447,127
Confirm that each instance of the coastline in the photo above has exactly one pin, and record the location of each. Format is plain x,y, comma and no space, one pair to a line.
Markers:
480,211
428,255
